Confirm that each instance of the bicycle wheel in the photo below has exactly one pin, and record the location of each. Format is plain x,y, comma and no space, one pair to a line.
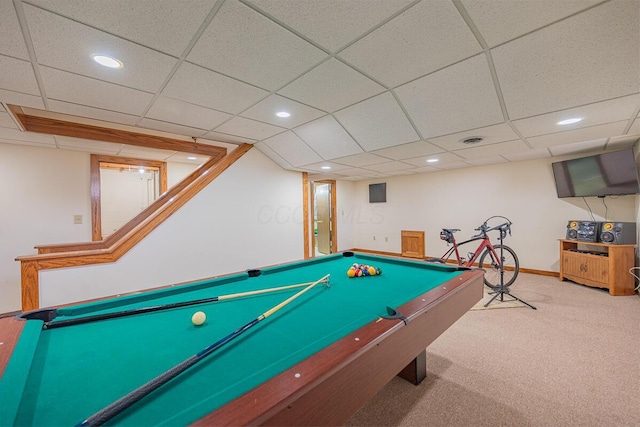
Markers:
492,266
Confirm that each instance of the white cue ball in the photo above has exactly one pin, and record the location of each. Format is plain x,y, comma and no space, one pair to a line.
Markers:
198,318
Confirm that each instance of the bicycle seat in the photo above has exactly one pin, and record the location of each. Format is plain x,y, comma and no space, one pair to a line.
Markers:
451,230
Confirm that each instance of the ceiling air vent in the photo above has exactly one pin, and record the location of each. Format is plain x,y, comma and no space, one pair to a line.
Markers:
472,140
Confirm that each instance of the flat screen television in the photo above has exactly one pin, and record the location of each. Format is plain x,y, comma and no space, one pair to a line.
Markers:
606,174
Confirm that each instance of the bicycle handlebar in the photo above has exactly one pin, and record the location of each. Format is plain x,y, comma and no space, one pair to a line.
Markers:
503,228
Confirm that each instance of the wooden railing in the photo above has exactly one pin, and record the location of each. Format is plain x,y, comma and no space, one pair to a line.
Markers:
117,244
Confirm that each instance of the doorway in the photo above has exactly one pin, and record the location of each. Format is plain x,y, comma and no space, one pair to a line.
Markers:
324,219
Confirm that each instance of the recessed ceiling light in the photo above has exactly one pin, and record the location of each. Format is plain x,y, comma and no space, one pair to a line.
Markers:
570,121
108,61
192,158
141,170
326,167
432,160
282,114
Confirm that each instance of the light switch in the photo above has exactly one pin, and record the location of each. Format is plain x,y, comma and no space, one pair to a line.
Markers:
77,219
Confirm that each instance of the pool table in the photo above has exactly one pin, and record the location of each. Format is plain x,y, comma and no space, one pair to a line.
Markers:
315,361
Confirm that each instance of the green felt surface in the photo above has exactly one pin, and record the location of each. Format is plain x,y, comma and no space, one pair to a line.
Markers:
78,370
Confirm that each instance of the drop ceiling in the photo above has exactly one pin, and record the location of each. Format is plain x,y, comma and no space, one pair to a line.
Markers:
374,88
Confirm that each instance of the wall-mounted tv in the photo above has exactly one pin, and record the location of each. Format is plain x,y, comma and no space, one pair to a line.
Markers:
378,193
607,174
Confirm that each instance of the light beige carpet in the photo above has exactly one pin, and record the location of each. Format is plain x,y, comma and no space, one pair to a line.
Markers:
506,302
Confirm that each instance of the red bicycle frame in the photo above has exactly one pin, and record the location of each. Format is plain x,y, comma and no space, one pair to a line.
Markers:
450,238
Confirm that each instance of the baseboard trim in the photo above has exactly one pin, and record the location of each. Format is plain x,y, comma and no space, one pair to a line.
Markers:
399,255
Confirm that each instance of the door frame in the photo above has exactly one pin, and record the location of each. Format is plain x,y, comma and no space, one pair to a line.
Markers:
97,161
332,213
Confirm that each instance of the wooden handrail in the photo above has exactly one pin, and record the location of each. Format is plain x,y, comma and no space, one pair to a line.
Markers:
92,253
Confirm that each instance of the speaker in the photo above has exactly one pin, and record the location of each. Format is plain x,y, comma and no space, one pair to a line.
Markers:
584,231
618,233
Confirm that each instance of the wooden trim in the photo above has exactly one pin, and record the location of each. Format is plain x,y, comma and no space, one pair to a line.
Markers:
129,235
55,126
99,162
305,213
96,207
334,221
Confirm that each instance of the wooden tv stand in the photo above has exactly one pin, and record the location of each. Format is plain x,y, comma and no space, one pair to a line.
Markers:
600,265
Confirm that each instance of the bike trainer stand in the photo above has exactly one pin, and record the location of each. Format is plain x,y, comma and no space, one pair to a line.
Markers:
502,290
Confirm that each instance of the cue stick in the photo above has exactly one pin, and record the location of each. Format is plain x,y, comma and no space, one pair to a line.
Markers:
142,310
124,402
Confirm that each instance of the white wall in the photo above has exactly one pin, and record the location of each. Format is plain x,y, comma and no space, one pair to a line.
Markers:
41,189
463,198
248,217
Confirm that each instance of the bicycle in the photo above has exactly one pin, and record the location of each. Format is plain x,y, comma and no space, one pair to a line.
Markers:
494,259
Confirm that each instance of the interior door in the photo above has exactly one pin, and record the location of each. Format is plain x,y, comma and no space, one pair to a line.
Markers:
323,217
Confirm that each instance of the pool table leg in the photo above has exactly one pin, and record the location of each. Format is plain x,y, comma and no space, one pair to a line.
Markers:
416,370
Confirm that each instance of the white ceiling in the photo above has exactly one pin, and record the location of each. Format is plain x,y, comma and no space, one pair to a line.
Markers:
374,87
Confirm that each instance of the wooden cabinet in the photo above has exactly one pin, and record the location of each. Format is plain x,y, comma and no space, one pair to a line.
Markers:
412,244
599,265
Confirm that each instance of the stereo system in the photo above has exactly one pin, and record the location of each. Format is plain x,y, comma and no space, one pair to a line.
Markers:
614,233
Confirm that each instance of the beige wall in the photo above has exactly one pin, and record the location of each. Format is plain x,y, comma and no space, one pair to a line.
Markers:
463,198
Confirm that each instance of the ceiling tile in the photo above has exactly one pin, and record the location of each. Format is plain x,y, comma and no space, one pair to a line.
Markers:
453,165
578,147
592,114
331,23
231,139
6,121
17,75
164,25
328,138
67,45
145,153
11,41
77,89
4,140
406,151
377,123
500,21
88,145
389,167
425,169
20,136
359,160
292,149
264,149
635,127
331,86
171,128
577,135
267,56
247,128
456,98
426,37
536,153
490,135
175,111
583,59
209,89
265,111
353,172
318,167
442,158
92,113
479,161
17,98
621,142
179,157
493,150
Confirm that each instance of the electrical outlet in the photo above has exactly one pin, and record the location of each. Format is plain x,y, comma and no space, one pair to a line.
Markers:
77,219
386,239
374,237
